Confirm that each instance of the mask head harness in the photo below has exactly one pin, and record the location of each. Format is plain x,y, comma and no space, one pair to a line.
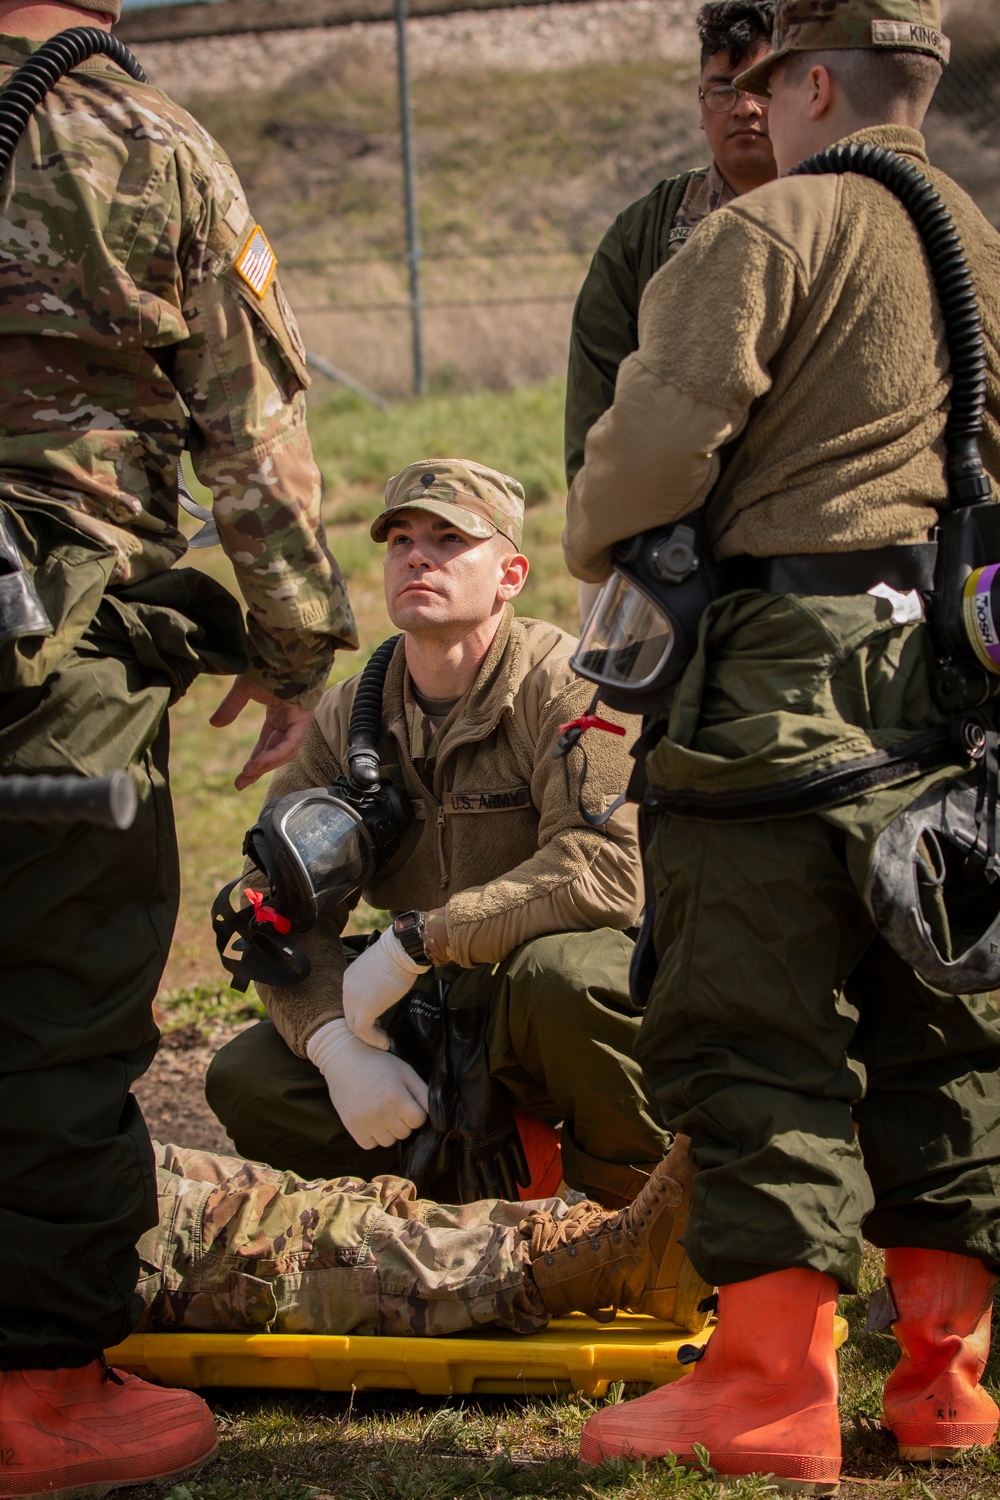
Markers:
316,848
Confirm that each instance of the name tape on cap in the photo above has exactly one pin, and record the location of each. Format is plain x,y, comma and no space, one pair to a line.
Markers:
911,34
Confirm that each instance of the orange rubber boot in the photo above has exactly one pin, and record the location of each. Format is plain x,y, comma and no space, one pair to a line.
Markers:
933,1402
542,1148
86,1431
762,1400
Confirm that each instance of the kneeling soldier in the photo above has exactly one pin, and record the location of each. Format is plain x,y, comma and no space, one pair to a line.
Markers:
510,900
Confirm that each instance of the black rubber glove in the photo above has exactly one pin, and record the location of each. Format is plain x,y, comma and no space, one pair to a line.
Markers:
486,1149
417,1034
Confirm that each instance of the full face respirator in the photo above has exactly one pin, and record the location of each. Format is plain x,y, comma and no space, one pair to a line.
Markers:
933,888
316,849
642,630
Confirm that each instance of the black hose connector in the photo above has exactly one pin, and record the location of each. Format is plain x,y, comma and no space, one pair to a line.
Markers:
110,801
365,727
44,68
968,482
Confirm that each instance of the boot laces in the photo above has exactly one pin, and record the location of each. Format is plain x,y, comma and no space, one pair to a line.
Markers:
584,1222
589,1222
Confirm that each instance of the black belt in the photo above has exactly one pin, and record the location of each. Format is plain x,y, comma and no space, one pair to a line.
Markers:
902,568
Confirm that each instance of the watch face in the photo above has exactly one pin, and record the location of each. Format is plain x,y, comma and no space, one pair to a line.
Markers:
409,929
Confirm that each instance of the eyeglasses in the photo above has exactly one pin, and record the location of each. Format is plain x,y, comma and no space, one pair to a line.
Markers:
721,98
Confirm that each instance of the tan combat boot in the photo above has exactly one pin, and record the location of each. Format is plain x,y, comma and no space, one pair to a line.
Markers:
596,1262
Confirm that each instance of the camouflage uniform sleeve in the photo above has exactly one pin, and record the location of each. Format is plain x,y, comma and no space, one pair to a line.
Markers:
241,370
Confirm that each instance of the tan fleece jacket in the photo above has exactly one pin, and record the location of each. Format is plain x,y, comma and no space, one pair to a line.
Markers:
799,327
497,839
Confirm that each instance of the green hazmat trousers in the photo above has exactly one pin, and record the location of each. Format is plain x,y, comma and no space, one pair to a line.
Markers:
827,1090
88,914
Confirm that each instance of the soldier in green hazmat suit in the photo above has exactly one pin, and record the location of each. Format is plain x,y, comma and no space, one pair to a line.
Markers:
792,367
652,230
140,318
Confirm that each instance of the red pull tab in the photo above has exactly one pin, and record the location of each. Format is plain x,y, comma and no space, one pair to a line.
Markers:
591,721
262,913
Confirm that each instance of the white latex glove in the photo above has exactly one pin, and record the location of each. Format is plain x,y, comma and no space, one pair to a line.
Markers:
375,980
378,1096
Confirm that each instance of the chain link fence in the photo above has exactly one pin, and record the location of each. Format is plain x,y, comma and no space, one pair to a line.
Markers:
961,131
496,305
971,84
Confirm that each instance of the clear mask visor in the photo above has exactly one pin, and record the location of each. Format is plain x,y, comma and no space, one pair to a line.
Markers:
328,842
626,640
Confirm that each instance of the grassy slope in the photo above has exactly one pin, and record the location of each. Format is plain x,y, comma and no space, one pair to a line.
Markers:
536,164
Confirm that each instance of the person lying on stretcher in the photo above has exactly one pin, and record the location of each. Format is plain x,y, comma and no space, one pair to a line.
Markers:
242,1248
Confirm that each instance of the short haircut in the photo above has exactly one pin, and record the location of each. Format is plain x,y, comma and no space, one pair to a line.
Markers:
738,27
876,84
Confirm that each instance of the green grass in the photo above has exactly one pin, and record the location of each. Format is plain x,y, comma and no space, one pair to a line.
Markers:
518,432
206,1006
394,1446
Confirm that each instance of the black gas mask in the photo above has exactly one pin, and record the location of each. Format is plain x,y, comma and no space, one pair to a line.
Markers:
642,630
316,849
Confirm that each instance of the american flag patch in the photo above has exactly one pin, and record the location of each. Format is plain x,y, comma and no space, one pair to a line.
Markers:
257,263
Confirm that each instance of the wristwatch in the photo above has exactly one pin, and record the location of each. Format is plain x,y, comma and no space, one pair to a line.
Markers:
409,929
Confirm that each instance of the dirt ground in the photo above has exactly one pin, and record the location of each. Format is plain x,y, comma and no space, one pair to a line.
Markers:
172,1093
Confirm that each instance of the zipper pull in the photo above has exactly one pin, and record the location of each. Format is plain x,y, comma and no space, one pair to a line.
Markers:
442,868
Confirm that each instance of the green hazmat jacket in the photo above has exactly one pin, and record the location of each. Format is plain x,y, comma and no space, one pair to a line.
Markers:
605,326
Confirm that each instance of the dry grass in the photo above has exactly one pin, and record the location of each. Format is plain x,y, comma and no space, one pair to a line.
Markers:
535,163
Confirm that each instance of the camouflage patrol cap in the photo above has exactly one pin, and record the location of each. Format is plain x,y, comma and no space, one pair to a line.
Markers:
819,25
478,500
111,8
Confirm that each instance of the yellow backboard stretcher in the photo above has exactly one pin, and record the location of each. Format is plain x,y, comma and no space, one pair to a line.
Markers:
572,1354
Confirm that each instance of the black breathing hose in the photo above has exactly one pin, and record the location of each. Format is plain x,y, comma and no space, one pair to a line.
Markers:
44,68
366,719
968,481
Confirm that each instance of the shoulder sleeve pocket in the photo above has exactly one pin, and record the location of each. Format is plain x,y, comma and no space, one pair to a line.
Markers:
247,268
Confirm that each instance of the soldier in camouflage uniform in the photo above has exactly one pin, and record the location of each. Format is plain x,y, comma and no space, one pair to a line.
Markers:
242,1248
139,317
794,375
651,231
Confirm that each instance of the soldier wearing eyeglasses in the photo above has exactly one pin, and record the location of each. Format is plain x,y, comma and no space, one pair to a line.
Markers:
733,34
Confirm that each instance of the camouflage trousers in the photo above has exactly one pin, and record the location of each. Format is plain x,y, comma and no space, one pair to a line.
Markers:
242,1248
